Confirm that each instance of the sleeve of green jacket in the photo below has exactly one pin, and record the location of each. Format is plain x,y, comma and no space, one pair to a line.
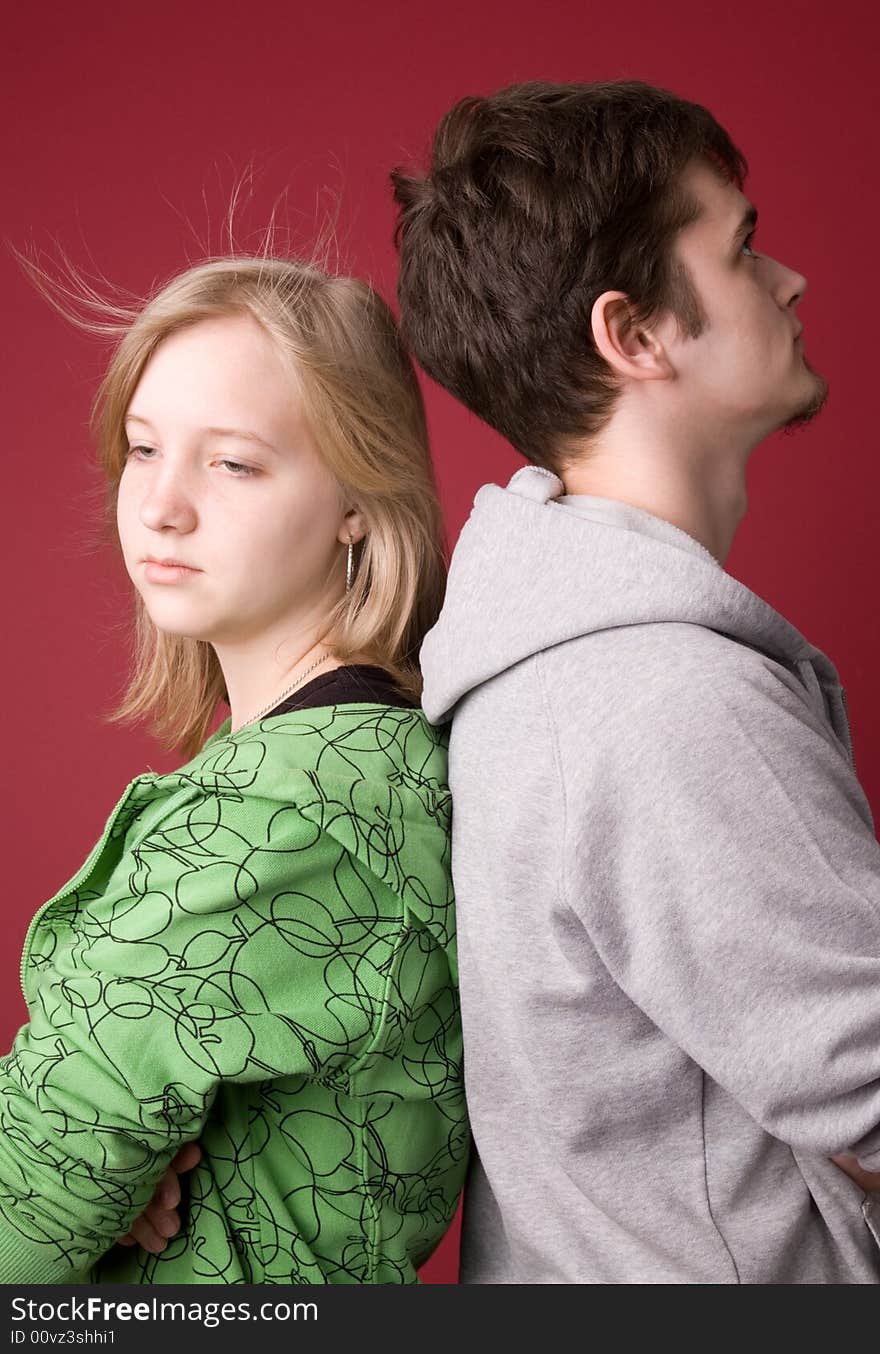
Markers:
228,945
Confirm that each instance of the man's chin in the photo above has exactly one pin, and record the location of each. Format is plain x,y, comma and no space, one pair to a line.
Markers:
810,406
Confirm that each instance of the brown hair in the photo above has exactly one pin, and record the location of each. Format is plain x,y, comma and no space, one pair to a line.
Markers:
539,198
361,398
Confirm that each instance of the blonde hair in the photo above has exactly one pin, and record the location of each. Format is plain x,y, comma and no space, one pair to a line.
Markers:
362,402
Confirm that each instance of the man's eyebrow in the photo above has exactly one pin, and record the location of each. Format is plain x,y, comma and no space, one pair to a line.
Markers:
747,224
241,433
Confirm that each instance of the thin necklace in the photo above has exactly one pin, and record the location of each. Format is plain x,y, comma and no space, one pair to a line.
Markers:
288,690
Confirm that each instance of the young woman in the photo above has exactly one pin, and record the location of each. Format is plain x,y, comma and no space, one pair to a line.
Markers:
259,952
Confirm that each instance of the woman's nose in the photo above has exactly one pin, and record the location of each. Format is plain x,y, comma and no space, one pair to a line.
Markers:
168,504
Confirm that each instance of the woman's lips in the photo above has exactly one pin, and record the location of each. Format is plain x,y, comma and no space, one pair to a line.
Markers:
158,572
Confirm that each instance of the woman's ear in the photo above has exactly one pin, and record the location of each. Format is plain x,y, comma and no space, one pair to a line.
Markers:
630,348
353,528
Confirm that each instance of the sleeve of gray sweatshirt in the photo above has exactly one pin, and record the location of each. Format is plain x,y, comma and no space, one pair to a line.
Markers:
721,854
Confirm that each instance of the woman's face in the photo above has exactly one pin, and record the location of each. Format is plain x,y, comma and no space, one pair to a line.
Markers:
229,521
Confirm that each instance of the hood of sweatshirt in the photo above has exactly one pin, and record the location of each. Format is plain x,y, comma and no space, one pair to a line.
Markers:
534,568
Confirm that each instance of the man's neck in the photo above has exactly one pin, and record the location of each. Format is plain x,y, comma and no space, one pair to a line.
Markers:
701,492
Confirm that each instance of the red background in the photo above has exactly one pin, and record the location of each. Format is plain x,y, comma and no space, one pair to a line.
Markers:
123,131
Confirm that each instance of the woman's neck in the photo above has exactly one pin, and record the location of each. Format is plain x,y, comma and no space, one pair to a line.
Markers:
258,676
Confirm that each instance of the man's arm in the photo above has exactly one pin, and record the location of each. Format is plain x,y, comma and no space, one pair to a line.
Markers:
740,905
160,1220
869,1181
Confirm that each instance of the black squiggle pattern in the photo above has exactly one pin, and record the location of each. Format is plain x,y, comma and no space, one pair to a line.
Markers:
260,953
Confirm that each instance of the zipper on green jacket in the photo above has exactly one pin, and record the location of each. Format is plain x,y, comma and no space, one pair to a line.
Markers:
81,875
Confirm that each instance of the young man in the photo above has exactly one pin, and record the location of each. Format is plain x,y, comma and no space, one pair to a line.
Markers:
667,877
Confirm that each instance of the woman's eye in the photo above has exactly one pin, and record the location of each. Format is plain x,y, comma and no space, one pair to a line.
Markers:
747,246
237,469
142,453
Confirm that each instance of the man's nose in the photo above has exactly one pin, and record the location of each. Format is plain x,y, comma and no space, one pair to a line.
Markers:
791,287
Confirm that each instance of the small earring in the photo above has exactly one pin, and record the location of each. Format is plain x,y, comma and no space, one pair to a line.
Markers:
349,566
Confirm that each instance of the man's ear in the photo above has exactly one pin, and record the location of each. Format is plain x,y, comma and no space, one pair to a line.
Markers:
630,348
353,528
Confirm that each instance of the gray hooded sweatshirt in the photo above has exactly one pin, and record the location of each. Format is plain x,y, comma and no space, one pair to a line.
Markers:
668,892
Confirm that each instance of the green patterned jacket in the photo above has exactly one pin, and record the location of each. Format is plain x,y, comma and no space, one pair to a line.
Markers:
259,954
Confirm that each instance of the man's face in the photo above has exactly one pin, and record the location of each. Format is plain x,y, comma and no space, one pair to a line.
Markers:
746,373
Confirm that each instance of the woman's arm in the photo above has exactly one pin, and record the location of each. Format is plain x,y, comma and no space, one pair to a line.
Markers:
220,950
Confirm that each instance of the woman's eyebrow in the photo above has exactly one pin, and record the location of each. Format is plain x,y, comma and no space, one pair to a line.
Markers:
243,433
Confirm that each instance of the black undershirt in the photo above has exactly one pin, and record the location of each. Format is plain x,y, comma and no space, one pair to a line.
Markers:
352,684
